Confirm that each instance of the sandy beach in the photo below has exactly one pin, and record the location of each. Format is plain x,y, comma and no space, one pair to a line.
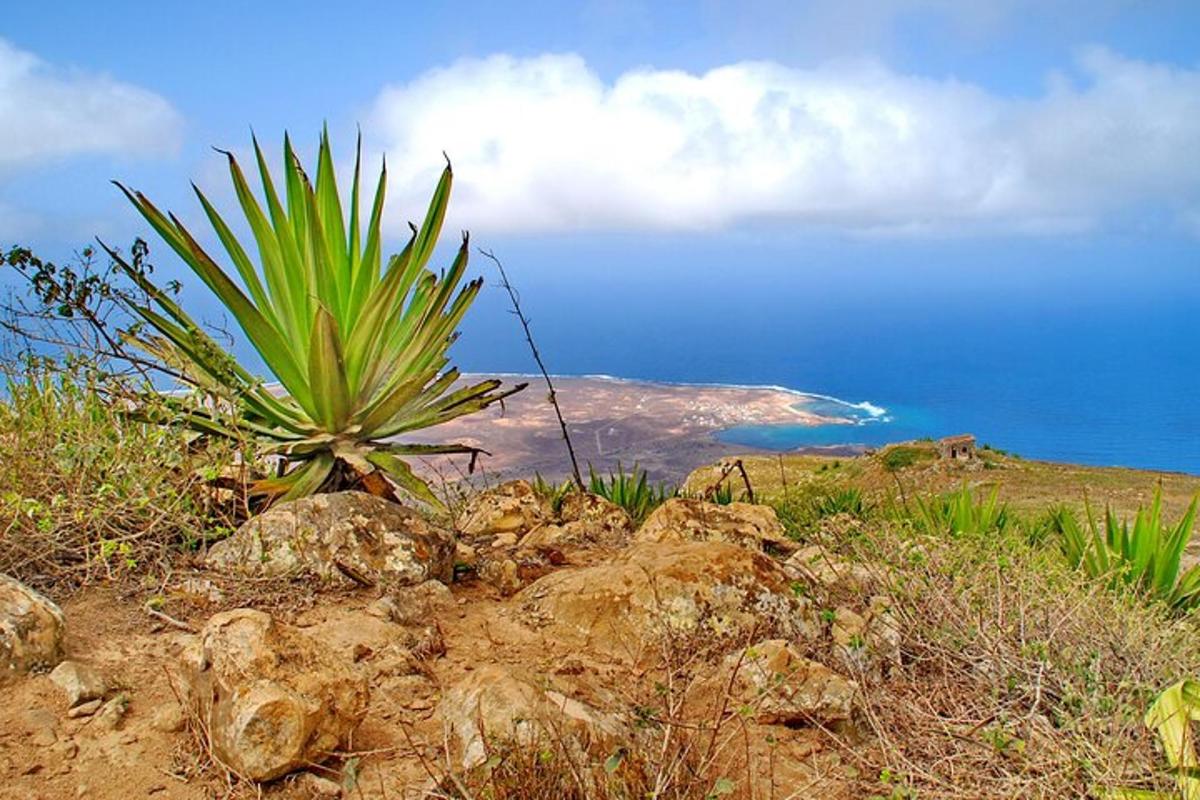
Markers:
666,428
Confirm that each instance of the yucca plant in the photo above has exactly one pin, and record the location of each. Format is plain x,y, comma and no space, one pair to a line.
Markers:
358,344
1145,555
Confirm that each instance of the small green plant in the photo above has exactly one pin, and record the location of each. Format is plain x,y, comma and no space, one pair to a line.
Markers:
961,513
1144,556
631,490
554,493
843,501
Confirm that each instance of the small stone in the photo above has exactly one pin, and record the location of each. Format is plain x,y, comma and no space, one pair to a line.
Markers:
383,608
504,540
85,709
66,749
41,725
80,682
110,715
317,786
168,719
127,737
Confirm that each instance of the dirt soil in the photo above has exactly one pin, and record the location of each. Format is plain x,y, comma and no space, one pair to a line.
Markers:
46,755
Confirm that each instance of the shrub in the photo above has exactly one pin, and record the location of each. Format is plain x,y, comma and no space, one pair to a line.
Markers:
901,456
86,491
1145,556
631,490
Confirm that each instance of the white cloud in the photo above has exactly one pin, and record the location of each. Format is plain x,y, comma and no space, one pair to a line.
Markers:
543,144
50,113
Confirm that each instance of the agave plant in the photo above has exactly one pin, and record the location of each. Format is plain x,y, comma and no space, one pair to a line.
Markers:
960,513
1145,555
631,490
358,345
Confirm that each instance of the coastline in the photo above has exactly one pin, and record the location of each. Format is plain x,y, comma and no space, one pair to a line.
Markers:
667,428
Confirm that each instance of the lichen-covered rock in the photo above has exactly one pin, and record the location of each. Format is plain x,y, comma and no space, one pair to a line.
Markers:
345,537
585,519
31,630
496,704
79,682
684,519
781,687
513,507
710,589
867,642
815,564
273,698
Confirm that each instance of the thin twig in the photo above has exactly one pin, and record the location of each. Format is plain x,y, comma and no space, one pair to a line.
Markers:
537,356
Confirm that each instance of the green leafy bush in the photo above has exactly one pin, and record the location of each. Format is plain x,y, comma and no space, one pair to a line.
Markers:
86,491
358,342
1144,556
901,456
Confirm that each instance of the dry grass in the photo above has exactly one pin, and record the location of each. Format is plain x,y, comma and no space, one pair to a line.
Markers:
1019,678
87,493
1028,486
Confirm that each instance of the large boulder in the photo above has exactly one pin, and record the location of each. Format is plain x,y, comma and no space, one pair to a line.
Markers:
711,590
782,687
498,705
514,507
272,698
31,630
345,537
683,519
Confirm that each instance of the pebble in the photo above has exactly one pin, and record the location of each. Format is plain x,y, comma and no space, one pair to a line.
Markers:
168,719
85,709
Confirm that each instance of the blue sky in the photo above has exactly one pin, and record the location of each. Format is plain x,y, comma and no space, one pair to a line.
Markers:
907,143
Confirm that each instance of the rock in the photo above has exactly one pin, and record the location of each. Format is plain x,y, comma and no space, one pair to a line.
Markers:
814,564
31,630
316,786
503,574
346,537
111,714
85,709
501,705
168,718
79,681
784,688
413,605
682,519
514,507
714,590
273,698
868,642
40,725
585,519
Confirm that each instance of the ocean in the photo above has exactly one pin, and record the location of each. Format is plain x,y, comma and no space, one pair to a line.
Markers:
1047,351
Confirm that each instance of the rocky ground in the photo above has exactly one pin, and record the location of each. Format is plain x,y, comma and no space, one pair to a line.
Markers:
343,646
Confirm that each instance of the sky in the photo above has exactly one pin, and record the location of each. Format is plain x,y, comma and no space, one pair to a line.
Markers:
913,146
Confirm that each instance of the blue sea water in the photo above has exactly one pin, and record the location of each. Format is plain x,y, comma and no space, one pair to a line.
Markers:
1082,352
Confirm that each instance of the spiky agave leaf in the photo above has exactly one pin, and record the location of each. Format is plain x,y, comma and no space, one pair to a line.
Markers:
359,348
